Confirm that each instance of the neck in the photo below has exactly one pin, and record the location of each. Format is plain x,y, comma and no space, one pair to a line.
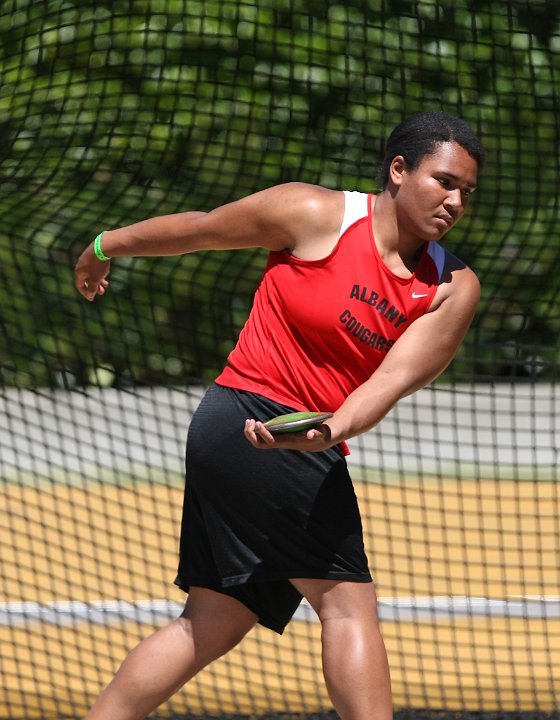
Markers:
398,249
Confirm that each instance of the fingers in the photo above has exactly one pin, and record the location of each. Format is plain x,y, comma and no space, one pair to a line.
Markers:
90,274
89,288
315,439
86,288
257,434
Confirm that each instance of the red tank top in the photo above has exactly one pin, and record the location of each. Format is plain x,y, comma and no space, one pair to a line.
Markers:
319,328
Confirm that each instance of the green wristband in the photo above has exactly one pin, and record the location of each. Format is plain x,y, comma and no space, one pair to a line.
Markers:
99,254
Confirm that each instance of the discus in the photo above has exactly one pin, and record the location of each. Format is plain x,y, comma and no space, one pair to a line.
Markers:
295,422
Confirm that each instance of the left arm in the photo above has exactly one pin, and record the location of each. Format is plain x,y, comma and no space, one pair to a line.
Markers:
419,356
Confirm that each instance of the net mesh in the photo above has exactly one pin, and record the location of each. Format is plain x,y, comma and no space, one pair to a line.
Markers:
111,112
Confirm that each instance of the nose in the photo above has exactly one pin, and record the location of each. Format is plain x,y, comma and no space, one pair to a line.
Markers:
454,201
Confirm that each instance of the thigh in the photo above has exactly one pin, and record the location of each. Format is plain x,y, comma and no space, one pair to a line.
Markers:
214,623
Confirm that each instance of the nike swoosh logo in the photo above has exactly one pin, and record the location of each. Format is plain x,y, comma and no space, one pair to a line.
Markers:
419,295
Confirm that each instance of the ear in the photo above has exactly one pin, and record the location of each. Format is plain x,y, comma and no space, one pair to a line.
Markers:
397,169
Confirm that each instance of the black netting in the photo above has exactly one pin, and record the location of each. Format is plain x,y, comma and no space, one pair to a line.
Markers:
111,112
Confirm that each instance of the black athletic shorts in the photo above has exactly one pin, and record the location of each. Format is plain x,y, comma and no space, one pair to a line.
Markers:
252,518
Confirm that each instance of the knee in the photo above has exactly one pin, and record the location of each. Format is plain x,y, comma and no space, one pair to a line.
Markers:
212,632
350,601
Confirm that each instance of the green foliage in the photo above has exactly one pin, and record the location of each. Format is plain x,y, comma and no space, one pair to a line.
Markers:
114,111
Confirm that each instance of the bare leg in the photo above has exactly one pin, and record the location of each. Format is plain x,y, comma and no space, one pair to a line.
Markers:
354,658
210,625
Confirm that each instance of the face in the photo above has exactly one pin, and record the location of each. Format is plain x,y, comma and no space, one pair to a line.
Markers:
434,196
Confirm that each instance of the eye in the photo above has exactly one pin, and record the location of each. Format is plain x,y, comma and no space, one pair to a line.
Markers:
444,182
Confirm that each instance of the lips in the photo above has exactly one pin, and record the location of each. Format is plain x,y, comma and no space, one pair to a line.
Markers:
447,219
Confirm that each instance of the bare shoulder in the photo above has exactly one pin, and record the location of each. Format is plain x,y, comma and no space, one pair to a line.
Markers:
313,215
291,197
302,192
276,218
280,217
301,202
459,284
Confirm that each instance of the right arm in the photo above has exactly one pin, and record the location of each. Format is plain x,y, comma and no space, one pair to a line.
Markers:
294,215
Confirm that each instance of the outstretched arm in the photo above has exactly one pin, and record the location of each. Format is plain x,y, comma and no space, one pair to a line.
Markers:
295,215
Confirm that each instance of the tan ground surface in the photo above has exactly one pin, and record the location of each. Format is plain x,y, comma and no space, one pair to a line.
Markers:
494,540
